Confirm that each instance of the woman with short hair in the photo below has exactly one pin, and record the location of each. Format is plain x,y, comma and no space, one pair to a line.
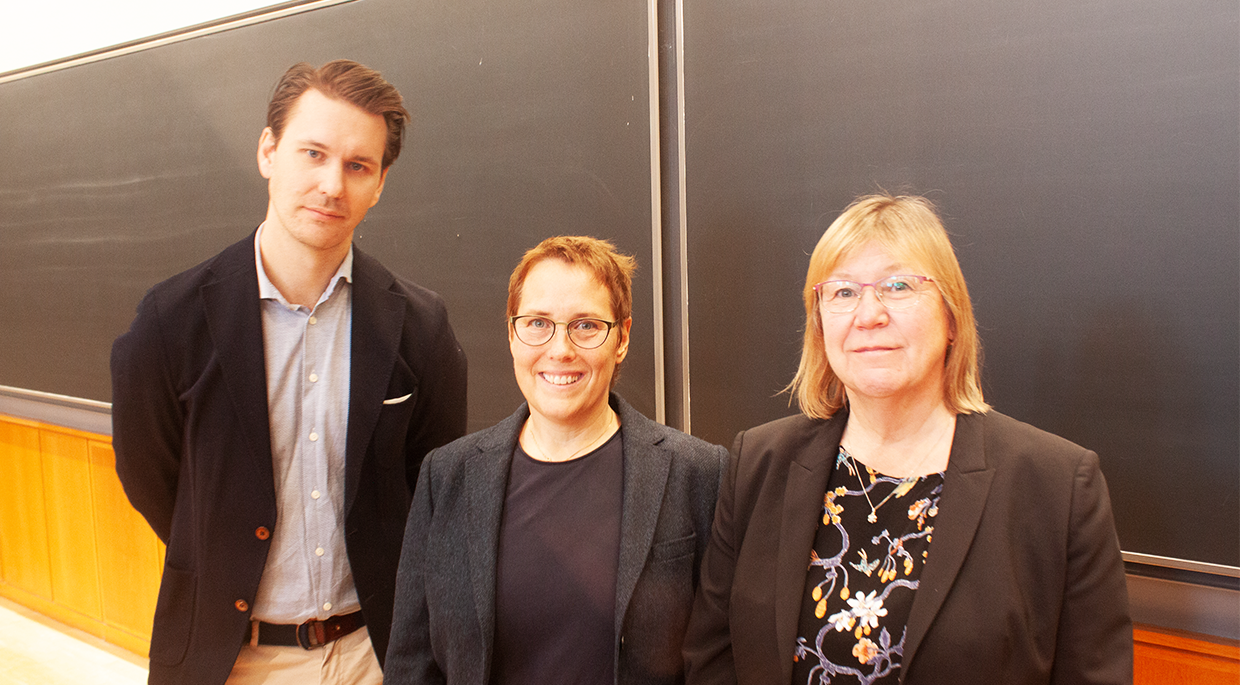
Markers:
561,545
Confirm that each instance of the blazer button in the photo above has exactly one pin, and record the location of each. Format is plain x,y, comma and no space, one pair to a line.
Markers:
242,605
262,533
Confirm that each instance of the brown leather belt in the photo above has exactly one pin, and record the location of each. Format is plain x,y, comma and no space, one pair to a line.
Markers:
308,635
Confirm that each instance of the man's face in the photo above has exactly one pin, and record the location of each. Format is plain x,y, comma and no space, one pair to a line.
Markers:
323,173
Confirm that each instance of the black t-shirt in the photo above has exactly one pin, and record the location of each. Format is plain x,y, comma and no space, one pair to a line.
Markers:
559,545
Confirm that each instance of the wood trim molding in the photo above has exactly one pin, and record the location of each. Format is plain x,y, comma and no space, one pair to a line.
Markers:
1172,657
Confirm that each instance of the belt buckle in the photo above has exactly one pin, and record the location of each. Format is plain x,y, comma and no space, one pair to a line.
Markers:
311,634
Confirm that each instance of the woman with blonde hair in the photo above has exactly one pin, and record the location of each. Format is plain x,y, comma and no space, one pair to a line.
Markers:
899,530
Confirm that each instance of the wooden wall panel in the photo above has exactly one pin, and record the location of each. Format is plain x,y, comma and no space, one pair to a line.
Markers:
23,520
1164,657
70,523
71,546
130,555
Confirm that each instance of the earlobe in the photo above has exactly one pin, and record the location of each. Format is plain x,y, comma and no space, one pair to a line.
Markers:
379,190
622,350
266,151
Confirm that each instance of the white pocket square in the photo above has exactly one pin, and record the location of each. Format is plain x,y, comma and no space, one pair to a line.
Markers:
398,400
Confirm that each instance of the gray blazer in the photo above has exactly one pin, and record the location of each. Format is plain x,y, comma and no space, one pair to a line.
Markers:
444,623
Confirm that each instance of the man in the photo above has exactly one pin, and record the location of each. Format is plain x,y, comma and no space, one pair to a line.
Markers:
272,405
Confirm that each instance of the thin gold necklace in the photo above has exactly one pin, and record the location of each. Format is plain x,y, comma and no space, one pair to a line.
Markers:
902,487
872,517
574,455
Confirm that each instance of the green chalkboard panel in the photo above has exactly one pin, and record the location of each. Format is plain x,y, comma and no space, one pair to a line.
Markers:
1086,156
529,119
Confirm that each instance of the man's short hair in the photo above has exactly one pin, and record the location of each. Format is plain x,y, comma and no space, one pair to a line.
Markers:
345,80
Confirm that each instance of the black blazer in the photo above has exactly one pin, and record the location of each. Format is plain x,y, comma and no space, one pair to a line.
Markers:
1024,582
193,449
445,594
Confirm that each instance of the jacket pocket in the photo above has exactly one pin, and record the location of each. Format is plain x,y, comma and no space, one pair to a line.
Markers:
673,549
391,431
398,400
174,616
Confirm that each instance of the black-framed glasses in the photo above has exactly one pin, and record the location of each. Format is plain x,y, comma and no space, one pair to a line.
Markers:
895,292
539,330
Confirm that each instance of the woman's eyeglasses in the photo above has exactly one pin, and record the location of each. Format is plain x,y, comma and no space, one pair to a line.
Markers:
539,330
895,292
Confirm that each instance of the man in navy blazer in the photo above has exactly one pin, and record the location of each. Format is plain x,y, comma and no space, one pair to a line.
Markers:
272,406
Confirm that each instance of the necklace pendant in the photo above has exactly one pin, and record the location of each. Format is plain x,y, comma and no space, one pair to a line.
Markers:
873,517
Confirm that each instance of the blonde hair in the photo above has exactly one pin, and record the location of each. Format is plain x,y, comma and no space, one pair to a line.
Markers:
907,227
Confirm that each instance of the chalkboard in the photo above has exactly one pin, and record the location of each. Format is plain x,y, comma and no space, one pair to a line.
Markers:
529,119
1086,158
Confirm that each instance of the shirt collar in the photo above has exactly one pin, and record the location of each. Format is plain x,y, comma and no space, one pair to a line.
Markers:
268,291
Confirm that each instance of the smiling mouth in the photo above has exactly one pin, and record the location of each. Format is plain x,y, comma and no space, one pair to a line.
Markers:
560,378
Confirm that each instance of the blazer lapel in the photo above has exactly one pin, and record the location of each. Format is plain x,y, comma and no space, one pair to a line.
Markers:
378,318
965,486
234,320
803,502
486,483
646,467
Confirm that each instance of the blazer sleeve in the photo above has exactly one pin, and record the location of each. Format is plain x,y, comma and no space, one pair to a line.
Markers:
409,657
147,422
440,416
1094,643
708,642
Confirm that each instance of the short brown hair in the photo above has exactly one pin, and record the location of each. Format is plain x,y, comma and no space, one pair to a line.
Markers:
346,80
908,227
600,257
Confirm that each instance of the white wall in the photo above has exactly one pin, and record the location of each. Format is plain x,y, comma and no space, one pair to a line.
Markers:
38,31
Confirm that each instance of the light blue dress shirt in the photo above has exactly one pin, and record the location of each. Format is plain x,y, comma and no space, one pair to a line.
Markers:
307,355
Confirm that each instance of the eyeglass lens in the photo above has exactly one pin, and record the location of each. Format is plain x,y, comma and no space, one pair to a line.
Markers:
584,333
896,292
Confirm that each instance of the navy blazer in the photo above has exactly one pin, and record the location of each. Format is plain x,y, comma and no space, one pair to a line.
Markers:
1024,582
193,448
445,595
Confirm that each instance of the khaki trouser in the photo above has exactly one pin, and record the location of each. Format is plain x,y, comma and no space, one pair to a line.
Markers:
347,661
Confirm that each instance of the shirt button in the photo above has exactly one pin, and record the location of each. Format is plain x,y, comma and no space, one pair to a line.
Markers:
242,605
327,606
314,437
318,551
262,533
313,321
314,378
316,494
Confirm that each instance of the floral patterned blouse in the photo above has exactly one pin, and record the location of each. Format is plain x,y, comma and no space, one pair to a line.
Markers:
863,575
